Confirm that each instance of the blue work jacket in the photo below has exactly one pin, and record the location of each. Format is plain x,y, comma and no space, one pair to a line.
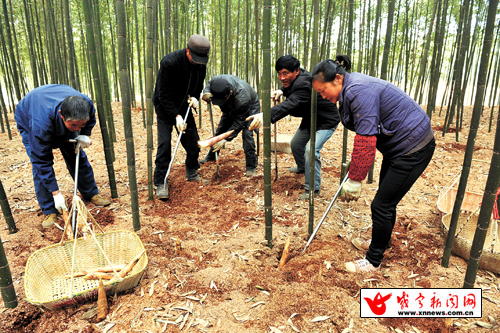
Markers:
37,115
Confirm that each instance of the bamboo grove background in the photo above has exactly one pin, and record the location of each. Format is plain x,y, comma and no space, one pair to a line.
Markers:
442,53
418,45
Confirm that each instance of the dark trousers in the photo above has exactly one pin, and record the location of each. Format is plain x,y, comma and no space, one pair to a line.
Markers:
86,182
189,141
397,176
248,143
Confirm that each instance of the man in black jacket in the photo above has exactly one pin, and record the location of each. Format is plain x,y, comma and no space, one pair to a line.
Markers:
297,90
237,101
179,81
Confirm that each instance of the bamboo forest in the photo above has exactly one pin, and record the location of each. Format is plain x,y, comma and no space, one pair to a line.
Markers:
157,171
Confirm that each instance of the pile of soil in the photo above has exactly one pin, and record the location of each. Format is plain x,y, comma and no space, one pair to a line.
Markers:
223,276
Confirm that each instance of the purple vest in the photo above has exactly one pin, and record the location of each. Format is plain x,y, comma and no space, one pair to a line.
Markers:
371,106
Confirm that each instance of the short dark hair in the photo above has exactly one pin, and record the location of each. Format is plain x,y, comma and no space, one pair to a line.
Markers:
288,62
327,70
76,108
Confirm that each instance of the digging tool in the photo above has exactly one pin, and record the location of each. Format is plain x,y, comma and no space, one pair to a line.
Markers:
213,133
275,145
175,150
326,212
77,167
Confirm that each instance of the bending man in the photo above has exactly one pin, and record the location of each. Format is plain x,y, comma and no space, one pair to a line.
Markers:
237,101
47,117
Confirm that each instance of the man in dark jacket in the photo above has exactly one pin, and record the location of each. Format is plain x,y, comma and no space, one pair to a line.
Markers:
237,101
179,82
297,90
47,117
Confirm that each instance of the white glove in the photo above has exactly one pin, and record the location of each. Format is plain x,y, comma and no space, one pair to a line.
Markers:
257,120
82,141
206,97
179,123
60,202
218,145
352,190
193,102
276,94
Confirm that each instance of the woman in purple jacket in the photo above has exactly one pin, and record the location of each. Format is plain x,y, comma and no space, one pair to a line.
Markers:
385,118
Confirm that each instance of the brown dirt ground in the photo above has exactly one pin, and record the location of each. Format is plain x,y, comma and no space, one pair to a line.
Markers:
223,268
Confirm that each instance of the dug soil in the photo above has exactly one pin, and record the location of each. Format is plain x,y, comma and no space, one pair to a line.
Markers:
210,267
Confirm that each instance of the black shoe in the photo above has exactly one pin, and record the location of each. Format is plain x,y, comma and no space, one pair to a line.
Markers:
162,192
192,175
296,170
205,160
305,196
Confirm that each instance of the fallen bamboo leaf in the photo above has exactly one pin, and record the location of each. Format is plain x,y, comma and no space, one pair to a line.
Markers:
108,327
284,256
212,285
412,276
181,308
370,280
184,320
483,324
290,323
89,314
193,298
156,232
275,330
242,318
257,304
152,288
320,318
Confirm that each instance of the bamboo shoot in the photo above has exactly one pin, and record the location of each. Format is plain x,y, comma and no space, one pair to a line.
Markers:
284,256
210,142
102,302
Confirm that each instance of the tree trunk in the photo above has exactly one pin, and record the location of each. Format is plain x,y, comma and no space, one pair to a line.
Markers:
266,108
98,94
493,180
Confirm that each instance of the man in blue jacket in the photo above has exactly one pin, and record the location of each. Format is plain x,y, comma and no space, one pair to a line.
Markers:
47,117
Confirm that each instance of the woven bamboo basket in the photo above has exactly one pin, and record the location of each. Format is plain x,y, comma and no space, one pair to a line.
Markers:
46,281
446,201
466,227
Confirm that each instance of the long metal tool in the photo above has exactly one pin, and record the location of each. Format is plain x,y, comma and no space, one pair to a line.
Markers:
77,167
326,212
275,145
213,133
175,150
